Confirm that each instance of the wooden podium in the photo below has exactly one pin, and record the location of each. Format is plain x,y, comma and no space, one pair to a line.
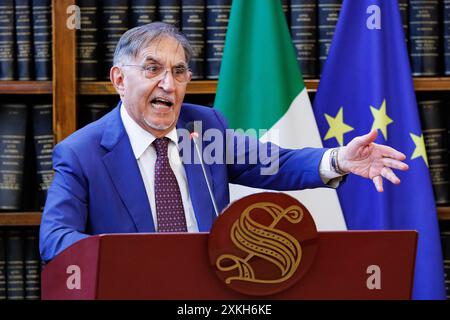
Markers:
176,266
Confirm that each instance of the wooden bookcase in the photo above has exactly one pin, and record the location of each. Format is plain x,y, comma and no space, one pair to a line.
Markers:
65,90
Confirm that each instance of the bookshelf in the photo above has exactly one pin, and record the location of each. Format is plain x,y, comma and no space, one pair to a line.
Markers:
65,89
64,71
443,213
26,87
106,88
210,86
195,87
20,218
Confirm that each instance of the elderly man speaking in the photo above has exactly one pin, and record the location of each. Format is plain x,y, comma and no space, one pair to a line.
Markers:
125,173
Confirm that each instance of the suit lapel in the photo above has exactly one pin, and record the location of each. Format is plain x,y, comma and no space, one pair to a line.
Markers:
124,172
198,189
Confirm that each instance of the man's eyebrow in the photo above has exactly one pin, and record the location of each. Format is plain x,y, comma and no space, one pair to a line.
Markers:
152,58
181,64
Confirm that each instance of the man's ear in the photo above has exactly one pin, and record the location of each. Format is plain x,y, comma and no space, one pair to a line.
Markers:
117,78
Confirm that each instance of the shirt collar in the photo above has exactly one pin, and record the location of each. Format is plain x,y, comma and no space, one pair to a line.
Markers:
141,139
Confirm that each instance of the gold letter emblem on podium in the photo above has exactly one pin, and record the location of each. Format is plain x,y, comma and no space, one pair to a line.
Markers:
263,243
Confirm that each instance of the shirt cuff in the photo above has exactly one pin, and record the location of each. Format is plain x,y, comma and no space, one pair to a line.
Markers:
329,177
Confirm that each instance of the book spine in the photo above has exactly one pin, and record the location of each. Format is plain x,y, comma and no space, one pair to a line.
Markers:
32,265
13,118
424,37
404,13
435,135
304,35
29,194
87,41
447,275
444,227
2,266
446,35
23,40
42,38
14,265
7,40
43,143
286,11
142,12
90,112
447,123
170,12
328,14
193,27
217,17
115,23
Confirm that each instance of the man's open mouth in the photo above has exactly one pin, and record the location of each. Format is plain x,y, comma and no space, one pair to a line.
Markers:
160,103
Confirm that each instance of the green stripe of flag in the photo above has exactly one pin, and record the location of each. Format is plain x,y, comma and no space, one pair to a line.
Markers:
259,76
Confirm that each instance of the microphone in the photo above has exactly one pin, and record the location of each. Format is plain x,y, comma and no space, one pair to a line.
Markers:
194,136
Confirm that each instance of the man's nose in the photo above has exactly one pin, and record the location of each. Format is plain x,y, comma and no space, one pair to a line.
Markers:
167,82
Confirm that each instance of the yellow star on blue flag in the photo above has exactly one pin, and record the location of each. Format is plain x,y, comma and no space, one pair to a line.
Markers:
420,150
381,119
337,127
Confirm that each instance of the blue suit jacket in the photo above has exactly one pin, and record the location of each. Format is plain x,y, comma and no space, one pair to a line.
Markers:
98,188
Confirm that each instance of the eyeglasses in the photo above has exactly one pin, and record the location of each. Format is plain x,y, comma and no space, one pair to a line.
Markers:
157,72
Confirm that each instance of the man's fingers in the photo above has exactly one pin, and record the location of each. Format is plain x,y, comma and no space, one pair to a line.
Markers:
387,173
390,175
367,138
378,181
389,152
394,164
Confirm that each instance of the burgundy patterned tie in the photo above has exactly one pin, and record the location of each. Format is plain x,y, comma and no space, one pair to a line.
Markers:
169,205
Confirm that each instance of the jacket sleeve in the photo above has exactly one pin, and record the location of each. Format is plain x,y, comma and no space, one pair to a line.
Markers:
65,212
268,166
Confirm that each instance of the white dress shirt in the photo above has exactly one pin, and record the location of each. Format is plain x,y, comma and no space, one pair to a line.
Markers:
145,154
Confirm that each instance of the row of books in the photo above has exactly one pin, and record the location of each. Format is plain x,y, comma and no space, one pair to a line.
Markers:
426,24
435,121
445,240
25,40
26,146
20,264
25,45
204,22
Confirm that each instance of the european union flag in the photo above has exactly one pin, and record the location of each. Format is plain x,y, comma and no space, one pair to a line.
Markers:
367,84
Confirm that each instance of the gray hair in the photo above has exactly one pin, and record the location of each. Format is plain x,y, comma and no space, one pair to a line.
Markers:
138,38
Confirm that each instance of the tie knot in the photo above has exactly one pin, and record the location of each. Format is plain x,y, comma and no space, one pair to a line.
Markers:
161,145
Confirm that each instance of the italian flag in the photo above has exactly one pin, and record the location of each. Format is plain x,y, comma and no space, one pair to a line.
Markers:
260,87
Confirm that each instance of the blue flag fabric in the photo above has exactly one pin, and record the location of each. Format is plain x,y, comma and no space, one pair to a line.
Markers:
367,83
